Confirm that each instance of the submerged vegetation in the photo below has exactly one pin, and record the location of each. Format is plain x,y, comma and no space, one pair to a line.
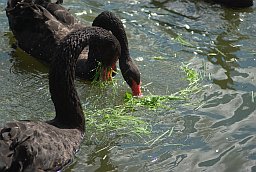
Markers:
121,119
182,41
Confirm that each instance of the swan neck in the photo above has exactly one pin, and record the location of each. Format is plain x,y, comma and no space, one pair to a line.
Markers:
69,113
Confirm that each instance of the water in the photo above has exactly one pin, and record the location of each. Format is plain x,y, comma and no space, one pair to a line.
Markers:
216,135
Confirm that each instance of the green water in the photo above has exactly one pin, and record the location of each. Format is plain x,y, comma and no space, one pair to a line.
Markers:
216,134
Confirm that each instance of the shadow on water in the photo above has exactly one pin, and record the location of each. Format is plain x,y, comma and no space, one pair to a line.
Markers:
23,62
97,159
226,46
102,155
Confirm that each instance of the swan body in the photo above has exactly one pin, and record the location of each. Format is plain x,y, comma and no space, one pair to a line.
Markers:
39,25
235,3
37,145
51,145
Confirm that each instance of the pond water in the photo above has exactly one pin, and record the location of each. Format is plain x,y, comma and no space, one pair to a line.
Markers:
216,134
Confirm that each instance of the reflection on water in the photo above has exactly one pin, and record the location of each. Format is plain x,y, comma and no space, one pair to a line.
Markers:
217,135
226,46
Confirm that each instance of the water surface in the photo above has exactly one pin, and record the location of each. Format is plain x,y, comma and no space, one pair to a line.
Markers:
218,134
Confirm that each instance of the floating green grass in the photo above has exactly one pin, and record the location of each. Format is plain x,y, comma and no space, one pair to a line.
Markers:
154,102
159,58
121,119
182,41
153,141
117,119
193,77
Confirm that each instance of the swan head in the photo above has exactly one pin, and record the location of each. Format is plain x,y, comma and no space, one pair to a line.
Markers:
131,75
107,56
130,71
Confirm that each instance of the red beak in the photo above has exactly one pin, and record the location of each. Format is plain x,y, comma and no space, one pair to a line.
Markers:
136,91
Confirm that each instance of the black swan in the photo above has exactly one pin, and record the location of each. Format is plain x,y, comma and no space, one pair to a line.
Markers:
48,146
235,3
130,71
38,25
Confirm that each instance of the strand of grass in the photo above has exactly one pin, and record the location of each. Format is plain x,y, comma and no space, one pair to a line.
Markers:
159,58
104,148
210,77
204,68
145,85
220,52
138,131
189,90
170,131
175,144
182,41
252,96
104,157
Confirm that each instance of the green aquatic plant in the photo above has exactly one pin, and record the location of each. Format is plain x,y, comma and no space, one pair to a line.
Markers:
153,141
154,102
182,41
193,77
97,79
159,58
121,119
117,119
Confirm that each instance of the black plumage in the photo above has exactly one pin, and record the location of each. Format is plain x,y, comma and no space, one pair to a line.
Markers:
235,3
49,146
129,69
39,25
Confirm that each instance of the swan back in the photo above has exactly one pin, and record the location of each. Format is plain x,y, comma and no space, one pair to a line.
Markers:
49,146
